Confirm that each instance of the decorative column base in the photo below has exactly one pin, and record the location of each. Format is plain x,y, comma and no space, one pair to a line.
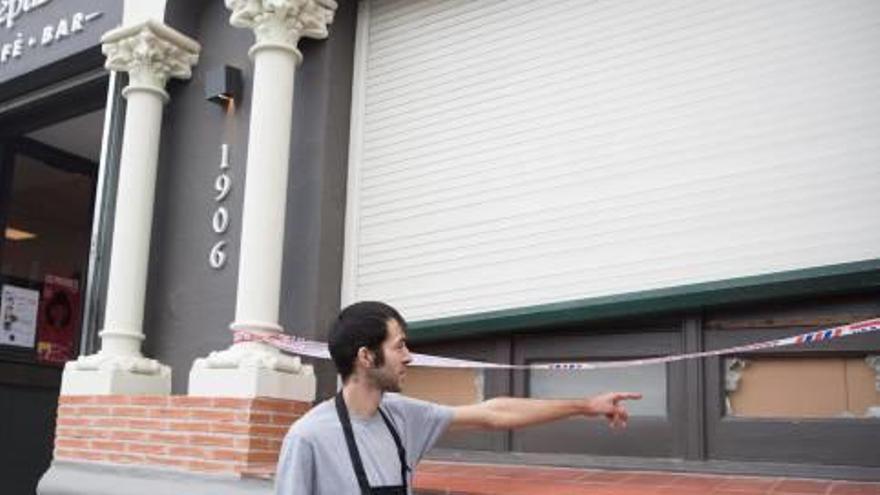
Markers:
100,374
252,372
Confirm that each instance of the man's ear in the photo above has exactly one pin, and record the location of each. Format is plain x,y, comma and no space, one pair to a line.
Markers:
366,357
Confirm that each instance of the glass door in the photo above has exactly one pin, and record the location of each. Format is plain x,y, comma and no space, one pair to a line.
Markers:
46,207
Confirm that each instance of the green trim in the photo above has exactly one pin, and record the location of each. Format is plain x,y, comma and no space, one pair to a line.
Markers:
805,282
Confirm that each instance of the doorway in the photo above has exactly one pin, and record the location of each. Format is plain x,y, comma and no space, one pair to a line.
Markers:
48,184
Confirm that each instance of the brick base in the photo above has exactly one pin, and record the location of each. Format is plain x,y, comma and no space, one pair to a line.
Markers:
229,436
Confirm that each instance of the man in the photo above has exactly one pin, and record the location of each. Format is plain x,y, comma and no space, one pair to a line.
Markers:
368,439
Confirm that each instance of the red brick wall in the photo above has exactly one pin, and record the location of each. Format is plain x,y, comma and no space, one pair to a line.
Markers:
203,434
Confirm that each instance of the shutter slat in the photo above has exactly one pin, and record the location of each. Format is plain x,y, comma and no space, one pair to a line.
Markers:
514,153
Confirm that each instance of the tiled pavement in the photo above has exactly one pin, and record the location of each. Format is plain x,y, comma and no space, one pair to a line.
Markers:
437,478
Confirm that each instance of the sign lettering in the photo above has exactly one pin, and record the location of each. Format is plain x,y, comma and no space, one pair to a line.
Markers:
52,33
35,34
11,10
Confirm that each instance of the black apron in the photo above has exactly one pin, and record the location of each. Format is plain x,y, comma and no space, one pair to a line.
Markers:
366,489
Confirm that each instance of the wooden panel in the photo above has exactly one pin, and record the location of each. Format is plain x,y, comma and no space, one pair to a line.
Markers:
805,388
495,383
792,388
452,387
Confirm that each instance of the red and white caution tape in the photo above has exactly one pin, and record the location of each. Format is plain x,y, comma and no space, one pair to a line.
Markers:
303,347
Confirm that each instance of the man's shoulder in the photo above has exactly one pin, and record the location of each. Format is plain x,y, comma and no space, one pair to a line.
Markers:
316,422
393,399
399,404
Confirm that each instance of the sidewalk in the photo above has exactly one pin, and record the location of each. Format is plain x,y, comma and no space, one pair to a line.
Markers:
435,478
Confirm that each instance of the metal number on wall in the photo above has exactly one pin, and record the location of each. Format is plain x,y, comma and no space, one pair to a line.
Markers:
220,219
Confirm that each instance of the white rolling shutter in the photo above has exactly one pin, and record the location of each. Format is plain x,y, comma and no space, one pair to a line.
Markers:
522,152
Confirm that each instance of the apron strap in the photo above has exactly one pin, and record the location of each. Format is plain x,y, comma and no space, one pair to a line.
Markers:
342,412
401,452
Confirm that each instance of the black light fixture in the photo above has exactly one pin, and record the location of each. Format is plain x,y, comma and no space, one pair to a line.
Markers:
223,84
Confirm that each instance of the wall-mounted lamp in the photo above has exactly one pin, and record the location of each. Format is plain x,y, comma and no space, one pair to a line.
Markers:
13,234
223,84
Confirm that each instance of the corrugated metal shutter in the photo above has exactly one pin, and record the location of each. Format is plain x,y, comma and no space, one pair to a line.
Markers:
521,152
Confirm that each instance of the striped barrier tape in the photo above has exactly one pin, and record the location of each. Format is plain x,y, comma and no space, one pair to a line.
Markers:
310,348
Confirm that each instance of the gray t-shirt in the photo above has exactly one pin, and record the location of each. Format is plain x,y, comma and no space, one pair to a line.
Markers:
315,460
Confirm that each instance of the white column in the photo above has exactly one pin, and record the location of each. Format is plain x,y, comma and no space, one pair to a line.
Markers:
255,369
151,53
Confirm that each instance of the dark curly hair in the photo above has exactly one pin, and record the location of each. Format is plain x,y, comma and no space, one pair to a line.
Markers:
363,324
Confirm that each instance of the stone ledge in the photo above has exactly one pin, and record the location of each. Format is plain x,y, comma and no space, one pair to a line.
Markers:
77,478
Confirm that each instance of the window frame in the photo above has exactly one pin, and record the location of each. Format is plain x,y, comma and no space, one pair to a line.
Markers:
644,436
54,158
843,441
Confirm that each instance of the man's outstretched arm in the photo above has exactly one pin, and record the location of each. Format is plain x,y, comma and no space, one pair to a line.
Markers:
503,413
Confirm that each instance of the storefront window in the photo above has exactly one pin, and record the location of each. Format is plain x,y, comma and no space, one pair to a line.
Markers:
649,380
47,200
803,387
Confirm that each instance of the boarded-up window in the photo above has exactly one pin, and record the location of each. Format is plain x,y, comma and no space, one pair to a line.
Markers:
452,387
826,387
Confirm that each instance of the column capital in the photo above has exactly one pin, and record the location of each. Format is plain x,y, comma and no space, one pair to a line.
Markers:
281,23
150,52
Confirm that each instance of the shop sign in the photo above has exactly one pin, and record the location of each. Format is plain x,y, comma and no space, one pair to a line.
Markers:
35,33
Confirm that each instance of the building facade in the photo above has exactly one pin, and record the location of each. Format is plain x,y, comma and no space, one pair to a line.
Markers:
54,94
528,182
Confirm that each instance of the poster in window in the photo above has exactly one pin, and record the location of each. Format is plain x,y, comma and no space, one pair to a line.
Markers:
58,320
18,316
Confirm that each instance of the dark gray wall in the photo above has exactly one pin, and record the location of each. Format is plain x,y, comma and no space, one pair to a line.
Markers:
315,217
190,305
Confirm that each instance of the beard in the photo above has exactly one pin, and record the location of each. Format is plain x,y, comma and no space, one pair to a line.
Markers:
384,379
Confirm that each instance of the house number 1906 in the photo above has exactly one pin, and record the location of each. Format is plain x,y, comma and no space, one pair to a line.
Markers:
220,220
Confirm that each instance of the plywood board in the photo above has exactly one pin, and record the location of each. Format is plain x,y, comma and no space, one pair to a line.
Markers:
793,388
452,387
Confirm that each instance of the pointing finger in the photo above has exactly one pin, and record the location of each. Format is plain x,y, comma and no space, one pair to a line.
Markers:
626,396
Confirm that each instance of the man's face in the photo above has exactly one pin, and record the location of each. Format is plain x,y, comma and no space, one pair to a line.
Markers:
389,377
